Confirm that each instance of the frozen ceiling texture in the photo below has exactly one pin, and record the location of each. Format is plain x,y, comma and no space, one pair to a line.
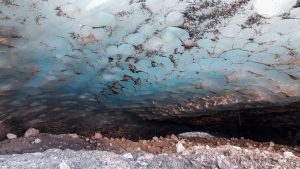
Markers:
154,58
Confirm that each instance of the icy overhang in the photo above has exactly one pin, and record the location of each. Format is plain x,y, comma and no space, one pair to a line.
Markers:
157,58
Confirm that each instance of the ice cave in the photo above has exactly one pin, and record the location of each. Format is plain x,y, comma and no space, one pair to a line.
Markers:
72,65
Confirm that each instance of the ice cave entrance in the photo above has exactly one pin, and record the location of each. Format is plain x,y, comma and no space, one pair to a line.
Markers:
122,64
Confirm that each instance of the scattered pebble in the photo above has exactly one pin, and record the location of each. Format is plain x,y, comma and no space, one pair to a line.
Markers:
196,134
288,154
98,136
179,147
173,137
155,138
32,132
128,156
37,141
11,136
74,135
144,141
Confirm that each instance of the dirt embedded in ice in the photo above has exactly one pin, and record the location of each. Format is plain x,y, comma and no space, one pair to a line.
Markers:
107,55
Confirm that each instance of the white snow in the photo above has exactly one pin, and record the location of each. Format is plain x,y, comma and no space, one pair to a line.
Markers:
295,13
271,8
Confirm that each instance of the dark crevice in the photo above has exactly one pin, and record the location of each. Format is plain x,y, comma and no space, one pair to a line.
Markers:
278,124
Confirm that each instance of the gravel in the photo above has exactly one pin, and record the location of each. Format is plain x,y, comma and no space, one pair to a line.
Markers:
11,136
31,132
222,157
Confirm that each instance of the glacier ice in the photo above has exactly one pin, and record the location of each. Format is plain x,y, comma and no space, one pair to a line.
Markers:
175,19
157,58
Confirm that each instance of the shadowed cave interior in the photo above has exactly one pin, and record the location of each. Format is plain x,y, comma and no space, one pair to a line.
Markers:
144,68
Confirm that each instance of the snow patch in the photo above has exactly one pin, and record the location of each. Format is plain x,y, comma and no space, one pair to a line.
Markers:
271,8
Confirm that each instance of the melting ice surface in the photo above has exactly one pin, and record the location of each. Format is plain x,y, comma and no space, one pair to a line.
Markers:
156,58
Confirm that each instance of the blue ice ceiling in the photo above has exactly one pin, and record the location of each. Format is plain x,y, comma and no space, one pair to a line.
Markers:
157,58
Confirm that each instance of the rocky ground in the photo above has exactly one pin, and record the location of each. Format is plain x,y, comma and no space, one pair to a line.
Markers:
196,150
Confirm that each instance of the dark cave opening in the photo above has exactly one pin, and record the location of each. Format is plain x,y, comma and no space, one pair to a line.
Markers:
277,124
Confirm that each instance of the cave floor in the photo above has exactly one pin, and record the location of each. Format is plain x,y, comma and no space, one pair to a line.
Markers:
73,151
156,145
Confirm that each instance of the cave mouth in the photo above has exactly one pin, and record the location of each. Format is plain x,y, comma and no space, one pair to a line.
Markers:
279,124
143,68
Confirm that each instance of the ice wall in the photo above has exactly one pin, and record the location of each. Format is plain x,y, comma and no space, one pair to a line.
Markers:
157,58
